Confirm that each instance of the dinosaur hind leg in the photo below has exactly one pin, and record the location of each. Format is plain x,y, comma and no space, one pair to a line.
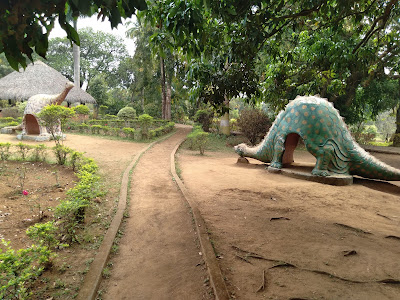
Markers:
324,156
279,148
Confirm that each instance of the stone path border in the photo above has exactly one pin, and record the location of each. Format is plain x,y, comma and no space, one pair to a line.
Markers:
88,290
216,278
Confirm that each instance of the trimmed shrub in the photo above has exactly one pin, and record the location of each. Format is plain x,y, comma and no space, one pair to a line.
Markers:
81,109
254,124
198,140
95,129
145,122
129,132
127,113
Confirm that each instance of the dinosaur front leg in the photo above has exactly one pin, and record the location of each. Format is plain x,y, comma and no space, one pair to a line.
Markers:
324,156
279,148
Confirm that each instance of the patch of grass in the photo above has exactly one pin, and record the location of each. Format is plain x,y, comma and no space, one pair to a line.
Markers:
106,273
223,143
383,144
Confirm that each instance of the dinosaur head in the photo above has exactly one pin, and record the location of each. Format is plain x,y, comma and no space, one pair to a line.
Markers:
69,85
240,149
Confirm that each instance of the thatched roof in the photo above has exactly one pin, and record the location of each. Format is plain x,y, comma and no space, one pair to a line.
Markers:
39,78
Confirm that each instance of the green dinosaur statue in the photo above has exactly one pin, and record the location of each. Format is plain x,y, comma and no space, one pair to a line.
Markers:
325,136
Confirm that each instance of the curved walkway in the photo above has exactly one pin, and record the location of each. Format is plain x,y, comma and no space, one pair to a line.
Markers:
159,256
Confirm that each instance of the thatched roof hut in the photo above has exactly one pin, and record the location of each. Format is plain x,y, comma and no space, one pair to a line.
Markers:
39,78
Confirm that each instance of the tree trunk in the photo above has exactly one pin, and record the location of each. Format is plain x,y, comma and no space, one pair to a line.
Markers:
142,100
398,114
77,59
163,91
224,123
168,102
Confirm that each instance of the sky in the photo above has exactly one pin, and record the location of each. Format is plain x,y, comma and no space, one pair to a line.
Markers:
98,25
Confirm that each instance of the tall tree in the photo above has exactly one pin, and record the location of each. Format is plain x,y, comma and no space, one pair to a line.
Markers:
100,53
25,28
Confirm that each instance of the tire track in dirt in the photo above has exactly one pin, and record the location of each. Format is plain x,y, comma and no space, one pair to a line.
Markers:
158,254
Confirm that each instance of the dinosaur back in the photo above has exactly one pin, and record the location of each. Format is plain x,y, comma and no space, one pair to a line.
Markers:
319,124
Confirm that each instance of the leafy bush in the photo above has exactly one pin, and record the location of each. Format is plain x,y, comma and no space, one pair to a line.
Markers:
76,159
81,109
129,132
70,214
20,268
4,103
254,124
10,112
13,123
54,117
7,120
83,127
127,113
61,153
21,107
45,234
39,152
145,122
198,140
5,151
23,150
205,118
364,134
95,129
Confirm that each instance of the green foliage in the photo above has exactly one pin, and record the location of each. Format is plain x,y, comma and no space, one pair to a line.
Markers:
95,129
129,132
88,187
102,109
12,124
45,234
198,140
54,117
70,214
145,122
21,107
20,268
5,151
3,103
23,150
83,127
81,109
204,117
364,134
7,119
127,113
39,152
76,159
25,28
10,112
61,153
254,124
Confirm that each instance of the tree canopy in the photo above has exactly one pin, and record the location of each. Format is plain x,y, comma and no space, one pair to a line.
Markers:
25,27
100,53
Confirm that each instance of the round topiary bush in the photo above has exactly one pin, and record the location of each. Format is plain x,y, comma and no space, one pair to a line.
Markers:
127,113
82,109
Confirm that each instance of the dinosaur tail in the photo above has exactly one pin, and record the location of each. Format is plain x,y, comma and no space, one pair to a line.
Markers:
365,165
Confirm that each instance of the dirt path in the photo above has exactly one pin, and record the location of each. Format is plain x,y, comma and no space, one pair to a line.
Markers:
158,255
301,239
